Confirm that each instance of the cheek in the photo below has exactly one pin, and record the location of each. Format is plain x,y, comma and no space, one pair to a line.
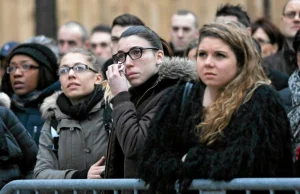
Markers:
199,67
34,79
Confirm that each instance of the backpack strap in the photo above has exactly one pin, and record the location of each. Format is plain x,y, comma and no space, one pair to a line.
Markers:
107,118
187,89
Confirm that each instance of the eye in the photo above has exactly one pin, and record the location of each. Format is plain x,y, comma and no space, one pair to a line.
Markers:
220,55
135,52
175,29
202,54
26,66
114,39
93,46
72,43
79,68
61,42
63,70
120,57
290,14
186,29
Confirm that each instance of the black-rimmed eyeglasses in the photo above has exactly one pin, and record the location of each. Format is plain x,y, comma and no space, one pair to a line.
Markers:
77,68
23,68
134,53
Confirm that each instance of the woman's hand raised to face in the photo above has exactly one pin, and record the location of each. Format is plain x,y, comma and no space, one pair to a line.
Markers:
116,79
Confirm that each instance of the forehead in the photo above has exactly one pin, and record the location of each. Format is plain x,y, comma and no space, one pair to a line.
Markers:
226,18
72,58
20,58
183,20
293,5
214,44
69,33
260,33
118,30
128,42
100,37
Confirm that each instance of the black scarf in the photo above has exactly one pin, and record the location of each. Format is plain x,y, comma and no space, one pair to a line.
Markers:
80,111
26,100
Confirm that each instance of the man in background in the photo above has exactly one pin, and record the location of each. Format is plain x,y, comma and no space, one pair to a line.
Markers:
100,41
71,34
183,30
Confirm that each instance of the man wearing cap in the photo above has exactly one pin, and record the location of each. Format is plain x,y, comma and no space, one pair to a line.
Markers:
30,77
5,50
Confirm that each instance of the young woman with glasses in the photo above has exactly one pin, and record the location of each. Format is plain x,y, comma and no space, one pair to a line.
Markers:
140,61
30,77
74,139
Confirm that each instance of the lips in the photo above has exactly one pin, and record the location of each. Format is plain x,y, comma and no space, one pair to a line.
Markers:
72,84
18,84
131,74
209,73
296,27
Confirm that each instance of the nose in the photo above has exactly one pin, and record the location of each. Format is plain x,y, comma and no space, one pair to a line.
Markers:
71,73
208,62
64,47
128,61
98,51
180,33
18,72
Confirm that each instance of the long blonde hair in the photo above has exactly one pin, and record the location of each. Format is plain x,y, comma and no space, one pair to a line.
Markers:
249,77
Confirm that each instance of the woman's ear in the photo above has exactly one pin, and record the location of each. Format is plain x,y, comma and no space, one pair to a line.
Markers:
99,78
274,48
159,56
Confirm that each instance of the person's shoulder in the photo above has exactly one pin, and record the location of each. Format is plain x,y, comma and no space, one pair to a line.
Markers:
265,89
266,94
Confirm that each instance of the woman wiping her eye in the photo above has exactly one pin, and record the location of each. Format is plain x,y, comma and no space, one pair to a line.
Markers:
151,76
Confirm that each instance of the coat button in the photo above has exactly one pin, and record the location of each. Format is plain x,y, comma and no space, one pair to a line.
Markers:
87,150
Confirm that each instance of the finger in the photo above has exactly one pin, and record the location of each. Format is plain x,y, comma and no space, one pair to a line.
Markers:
101,161
94,176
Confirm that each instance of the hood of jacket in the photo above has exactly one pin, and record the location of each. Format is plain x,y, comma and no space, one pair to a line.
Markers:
4,100
177,68
49,108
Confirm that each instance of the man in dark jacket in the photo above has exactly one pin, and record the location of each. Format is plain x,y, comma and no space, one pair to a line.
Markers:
285,60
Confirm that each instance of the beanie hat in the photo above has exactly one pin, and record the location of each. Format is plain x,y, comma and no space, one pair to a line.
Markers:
296,42
40,53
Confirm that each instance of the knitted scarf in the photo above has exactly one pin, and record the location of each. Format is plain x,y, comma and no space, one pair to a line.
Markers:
294,114
27,99
80,111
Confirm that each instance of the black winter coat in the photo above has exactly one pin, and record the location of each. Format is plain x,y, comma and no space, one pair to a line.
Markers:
255,143
19,165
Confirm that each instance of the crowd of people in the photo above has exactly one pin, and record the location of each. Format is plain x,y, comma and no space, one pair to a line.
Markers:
219,101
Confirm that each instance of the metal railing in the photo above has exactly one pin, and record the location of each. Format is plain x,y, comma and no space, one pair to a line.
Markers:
135,185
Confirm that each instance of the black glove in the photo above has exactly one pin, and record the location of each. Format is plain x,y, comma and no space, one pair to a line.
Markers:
80,174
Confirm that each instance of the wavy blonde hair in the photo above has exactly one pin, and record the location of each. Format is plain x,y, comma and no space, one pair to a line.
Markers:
250,75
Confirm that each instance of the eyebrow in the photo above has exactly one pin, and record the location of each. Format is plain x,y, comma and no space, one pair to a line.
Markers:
214,51
78,63
23,61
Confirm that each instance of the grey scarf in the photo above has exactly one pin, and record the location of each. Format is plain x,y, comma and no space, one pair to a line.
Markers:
294,114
